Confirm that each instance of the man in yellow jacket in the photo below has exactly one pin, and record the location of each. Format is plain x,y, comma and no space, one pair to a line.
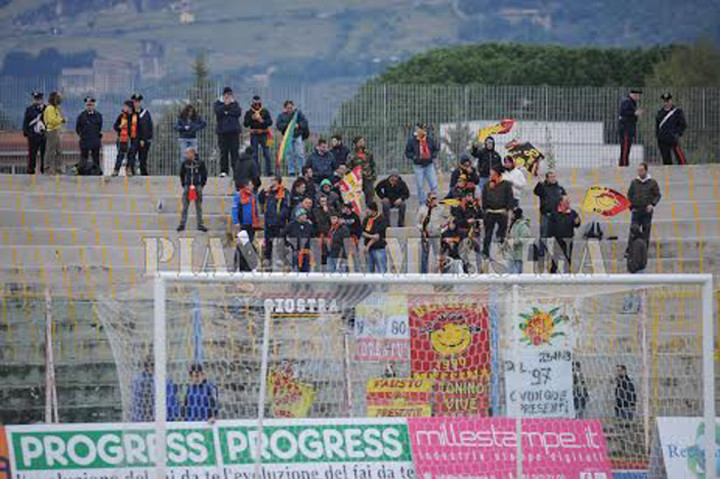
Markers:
53,119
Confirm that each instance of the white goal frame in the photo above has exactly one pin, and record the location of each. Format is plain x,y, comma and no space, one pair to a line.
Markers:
705,281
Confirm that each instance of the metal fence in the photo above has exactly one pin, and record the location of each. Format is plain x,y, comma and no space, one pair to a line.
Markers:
571,126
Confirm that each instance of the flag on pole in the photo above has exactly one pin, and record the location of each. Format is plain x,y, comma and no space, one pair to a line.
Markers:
497,129
525,155
287,141
604,201
351,189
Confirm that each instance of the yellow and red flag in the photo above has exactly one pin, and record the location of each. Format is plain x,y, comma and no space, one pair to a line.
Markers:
604,201
525,155
351,189
497,129
288,396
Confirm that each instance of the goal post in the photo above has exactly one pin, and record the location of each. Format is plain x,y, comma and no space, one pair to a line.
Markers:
619,322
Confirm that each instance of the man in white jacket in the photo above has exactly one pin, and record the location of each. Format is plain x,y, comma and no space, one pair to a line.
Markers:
515,177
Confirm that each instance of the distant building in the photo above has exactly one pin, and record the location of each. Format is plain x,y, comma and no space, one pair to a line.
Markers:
152,55
77,81
113,76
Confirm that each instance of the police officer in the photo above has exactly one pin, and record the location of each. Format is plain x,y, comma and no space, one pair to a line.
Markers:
34,131
627,123
144,132
670,125
89,128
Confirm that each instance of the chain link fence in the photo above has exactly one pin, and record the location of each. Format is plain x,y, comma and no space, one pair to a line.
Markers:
571,126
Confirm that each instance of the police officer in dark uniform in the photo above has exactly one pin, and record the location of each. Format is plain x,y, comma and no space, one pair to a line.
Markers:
89,128
627,123
670,125
34,131
144,132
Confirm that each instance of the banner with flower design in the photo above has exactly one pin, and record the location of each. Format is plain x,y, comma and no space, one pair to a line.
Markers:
540,374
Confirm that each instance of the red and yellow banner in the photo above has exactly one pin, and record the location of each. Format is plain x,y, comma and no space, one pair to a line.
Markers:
604,201
351,189
288,396
525,156
399,397
497,129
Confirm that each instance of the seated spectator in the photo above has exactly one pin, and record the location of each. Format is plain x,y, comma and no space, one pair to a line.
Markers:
515,177
519,236
465,168
393,193
246,169
352,220
338,176
244,210
360,156
637,251
374,229
201,397
450,261
193,177
246,258
298,234
339,150
497,200
277,213
298,192
309,176
321,161
326,191
487,159
563,223
461,188
335,244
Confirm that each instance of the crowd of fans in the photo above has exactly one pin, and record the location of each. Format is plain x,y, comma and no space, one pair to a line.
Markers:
481,205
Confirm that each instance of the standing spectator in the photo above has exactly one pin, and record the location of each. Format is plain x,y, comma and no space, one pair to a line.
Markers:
364,158
246,169
34,131
298,192
187,126
331,196
309,176
277,212
393,193
258,119
89,128
245,258
321,161
296,159
421,149
627,123
201,397
339,150
430,221
321,217
193,177
550,194
352,220
563,223
298,234
468,217
466,169
144,132
54,120
228,113
126,128
497,201
515,177
625,395
580,391
519,235
644,195
244,210
335,244
374,229
670,125
487,159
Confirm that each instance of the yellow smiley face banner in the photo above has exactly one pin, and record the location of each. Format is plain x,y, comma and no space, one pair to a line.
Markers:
604,201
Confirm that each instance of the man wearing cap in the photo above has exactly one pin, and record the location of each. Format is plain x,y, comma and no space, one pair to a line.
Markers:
89,128
228,113
627,123
258,119
34,131
393,193
326,191
144,132
670,125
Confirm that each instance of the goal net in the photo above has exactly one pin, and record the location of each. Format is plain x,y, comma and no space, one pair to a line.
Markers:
364,377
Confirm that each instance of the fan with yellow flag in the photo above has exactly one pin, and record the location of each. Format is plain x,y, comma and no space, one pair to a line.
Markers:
604,201
497,129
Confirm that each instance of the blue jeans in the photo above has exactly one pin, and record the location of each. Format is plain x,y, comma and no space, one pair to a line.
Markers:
515,266
337,265
377,261
422,174
481,184
431,244
258,142
296,158
184,144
